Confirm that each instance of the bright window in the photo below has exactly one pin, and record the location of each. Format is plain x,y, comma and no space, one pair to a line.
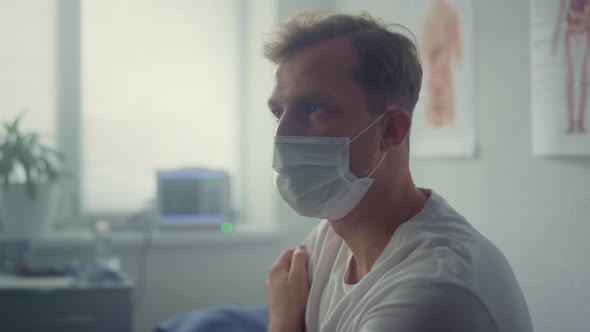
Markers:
160,90
27,64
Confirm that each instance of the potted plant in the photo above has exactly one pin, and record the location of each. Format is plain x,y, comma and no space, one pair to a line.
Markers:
29,172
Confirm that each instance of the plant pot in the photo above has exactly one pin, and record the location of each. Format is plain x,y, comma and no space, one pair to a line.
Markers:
23,217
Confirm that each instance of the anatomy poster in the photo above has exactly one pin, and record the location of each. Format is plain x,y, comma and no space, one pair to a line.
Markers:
560,47
443,118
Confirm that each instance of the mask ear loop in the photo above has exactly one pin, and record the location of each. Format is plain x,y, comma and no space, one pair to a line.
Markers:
367,128
362,132
379,163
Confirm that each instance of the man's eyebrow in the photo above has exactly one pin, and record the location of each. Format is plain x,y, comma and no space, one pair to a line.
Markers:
307,96
321,98
271,103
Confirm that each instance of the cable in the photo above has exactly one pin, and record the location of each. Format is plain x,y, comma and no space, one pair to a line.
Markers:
142,272
144,218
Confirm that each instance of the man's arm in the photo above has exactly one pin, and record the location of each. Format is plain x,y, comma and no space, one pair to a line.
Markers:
429,308
287,290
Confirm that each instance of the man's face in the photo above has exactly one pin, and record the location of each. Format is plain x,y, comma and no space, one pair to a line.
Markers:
315,94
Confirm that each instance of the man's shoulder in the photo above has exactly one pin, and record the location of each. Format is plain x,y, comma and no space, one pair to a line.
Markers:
438,245
440,219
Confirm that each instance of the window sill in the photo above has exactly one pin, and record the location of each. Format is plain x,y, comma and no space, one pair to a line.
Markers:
68,239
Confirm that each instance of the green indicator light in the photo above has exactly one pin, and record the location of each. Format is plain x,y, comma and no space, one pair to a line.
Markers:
227,227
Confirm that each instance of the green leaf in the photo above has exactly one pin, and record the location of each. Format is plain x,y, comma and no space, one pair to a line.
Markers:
31,139
53,152
10,130
18,148
16,122
51,173
25,156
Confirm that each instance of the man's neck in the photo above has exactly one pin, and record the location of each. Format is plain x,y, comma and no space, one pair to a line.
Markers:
369,227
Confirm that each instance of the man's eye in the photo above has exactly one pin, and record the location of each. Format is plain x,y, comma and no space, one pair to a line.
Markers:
277,114
315,108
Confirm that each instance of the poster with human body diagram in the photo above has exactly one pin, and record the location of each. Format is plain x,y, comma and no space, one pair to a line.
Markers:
560,56
443,117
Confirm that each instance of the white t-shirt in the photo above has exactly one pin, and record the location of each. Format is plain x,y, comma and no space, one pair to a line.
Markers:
436,274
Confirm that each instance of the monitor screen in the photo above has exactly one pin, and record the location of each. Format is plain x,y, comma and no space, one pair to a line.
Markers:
193,196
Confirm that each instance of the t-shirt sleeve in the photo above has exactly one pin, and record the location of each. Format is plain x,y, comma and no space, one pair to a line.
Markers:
428,308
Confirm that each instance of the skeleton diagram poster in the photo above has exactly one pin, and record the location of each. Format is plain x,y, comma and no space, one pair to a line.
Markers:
560,47
443,117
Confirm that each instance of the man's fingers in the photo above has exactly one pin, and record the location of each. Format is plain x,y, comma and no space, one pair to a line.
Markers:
283,263
299,263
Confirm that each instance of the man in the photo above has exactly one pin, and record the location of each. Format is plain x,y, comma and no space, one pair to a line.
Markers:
389,256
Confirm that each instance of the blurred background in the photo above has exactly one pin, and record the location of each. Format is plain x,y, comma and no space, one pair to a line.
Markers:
125,89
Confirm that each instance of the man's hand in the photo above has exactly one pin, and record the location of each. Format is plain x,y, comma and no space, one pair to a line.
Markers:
287,289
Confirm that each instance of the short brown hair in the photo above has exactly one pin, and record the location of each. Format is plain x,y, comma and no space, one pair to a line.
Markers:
389,68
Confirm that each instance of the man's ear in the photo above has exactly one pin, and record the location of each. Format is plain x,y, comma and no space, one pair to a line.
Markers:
397,128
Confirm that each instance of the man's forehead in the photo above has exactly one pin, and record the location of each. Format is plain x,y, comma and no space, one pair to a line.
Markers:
315,71
336,56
